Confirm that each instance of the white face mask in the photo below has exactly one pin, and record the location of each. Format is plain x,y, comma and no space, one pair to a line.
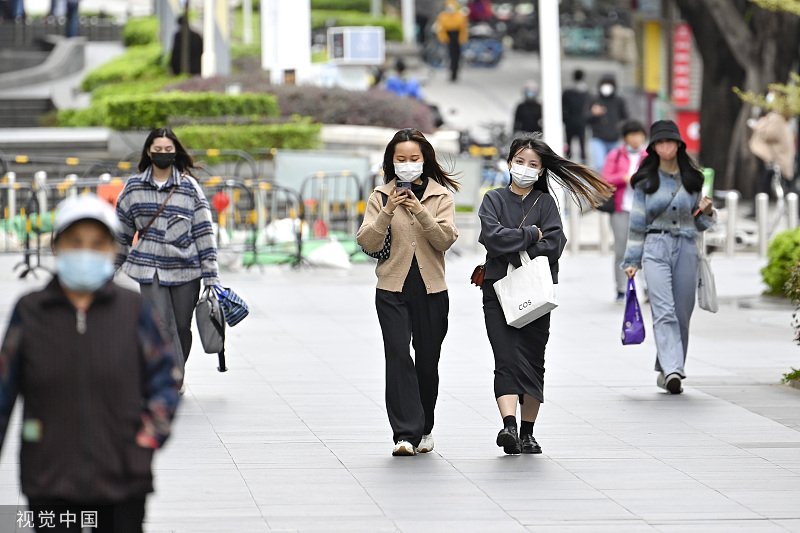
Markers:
524,176
408,171
606,89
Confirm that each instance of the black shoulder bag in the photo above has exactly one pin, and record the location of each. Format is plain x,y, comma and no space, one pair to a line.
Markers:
383,254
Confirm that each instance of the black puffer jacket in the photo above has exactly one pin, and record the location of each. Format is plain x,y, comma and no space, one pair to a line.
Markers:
607,126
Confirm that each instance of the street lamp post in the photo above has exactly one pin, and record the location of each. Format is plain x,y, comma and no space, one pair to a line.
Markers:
550,56
552,125
407,10
216,59
376,8
247,21
167,13
286,39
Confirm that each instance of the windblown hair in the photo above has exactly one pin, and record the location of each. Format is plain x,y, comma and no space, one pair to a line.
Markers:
183,161
581,181
431,167
691,176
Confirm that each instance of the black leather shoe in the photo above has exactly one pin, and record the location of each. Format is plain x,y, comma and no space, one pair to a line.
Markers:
529,445
509,441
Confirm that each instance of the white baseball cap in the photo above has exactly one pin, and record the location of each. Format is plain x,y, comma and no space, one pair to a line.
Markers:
85,207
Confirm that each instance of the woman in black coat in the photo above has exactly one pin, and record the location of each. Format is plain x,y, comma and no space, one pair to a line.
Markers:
525,217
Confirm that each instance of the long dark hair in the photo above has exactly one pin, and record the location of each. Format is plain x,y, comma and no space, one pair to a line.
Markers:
691,175
581,182
431,167
183,161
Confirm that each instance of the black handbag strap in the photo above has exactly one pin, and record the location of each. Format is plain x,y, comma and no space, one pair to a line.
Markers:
160,210
220,327
674,194
529,210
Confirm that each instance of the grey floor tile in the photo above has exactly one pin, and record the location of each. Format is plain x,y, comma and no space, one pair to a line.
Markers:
605,526
720,526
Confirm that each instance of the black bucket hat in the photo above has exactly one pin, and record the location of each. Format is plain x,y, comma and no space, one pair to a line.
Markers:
665,130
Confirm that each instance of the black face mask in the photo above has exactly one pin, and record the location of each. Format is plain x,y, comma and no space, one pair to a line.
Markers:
163,159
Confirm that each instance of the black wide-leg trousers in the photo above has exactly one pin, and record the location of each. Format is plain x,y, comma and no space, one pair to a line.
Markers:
412,317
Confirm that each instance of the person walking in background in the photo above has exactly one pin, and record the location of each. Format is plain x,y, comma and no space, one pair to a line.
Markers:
606,112
668,212
573,105
415,207
773,142
17,10
452,29
621,164
165,205
528,115
402,85
524,217
480,11
97,376
73,18
425,12
193,49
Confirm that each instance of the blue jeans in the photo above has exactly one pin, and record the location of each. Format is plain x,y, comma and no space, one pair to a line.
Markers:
73,20
17,9
670,268
598,148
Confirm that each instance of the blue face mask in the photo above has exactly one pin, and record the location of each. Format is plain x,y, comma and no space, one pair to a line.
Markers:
84,270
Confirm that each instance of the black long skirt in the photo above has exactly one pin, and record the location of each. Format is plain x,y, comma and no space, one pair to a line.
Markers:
518,352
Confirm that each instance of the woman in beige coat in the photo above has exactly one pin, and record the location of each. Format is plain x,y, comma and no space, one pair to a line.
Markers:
415,207
773,143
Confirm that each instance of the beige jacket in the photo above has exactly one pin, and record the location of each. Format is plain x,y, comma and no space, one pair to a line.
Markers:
773,142
428,235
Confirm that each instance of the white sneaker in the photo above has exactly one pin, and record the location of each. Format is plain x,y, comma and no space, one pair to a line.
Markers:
661,381
673,383
426,444
182,390
404,448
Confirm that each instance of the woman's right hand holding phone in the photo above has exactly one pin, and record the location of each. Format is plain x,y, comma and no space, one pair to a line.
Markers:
396,198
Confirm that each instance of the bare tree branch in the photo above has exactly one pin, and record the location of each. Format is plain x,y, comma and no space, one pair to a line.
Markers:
738,36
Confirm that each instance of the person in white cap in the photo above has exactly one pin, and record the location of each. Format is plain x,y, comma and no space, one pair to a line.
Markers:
98,377
176,250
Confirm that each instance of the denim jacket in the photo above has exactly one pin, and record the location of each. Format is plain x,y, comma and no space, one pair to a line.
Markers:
670,209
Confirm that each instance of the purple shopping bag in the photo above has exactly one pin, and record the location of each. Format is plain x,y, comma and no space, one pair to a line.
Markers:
633,324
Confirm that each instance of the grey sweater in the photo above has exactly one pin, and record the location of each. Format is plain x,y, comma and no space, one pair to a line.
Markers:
501,213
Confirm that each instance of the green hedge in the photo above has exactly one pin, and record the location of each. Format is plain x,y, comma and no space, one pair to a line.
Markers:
147,86
782,256
93,115
392,26
342,5
792,287
144,111
300,134
139,31
137,63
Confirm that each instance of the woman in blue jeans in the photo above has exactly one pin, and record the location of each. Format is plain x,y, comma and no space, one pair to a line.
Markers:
668,212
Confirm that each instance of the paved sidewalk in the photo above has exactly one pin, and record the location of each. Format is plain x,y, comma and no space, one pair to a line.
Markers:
295,437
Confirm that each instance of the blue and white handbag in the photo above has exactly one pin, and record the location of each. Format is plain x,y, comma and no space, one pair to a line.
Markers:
233,307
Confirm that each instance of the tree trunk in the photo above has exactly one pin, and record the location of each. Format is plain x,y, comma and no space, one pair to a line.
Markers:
776,40
719,106
750,55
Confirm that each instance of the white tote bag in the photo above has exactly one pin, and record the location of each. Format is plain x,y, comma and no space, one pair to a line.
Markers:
526,293
706,287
